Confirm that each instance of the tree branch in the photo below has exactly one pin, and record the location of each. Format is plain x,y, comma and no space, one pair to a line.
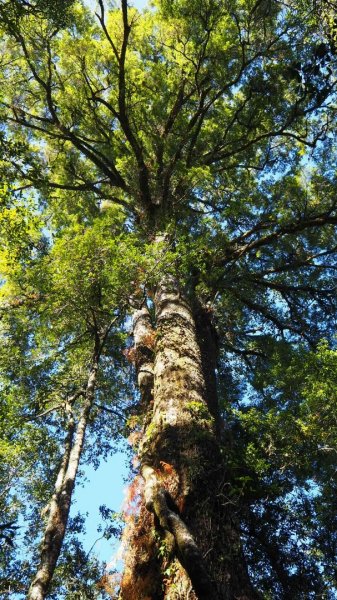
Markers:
143,176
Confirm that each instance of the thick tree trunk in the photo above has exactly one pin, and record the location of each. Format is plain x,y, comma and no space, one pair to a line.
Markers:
184,543
59,506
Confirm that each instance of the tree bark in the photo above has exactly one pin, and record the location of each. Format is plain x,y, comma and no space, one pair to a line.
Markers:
59,506
141,577
184,543
143,335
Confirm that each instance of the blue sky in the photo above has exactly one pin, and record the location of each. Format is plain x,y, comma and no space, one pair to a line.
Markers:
105,486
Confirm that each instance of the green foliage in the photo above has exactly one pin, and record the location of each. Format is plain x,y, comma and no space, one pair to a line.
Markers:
283,465
54,297
57,12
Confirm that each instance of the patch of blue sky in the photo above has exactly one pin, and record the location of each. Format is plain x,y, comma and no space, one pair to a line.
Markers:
103,486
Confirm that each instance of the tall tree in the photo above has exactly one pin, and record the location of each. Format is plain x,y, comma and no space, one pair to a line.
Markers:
210,126
58,323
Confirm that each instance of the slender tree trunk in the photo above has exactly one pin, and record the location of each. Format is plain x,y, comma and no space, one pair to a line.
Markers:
184,543
59,506
141,577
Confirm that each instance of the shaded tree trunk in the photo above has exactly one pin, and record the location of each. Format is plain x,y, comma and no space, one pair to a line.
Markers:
59,506
184,542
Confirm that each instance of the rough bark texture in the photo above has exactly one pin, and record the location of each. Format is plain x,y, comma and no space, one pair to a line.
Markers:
209,348
141,577
184,543
143,335
59,506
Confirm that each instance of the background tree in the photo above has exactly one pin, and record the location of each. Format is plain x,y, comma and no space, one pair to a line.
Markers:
208,130
58,322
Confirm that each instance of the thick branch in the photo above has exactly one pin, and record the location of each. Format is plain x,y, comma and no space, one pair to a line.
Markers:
326,218
123,113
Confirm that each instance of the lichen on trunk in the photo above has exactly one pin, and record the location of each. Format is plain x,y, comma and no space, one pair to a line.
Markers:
184,543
